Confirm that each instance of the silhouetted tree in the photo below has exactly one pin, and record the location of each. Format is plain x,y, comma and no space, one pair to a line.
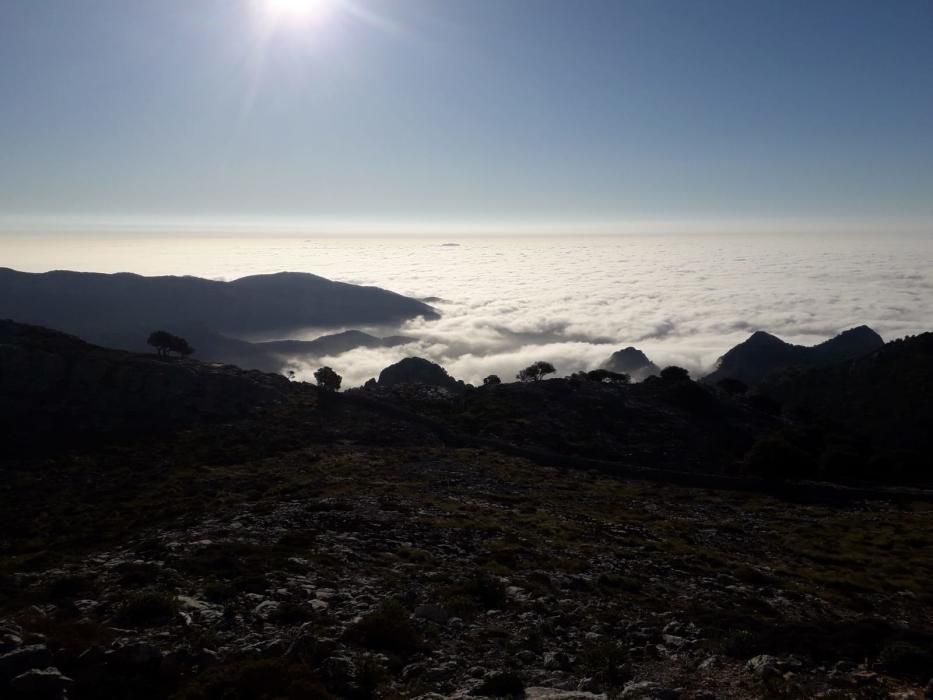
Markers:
182,347
492,380
675,374
327,379
166,343
536,372
732,387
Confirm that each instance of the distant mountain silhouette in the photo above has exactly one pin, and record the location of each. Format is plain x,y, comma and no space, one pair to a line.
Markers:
120,310
632,362
333,344
763,353
417,370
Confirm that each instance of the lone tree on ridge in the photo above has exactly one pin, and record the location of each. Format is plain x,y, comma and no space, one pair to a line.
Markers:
535,372
327,379
165,343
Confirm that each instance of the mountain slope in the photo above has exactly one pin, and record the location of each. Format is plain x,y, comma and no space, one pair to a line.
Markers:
633,362
883,396
356,546
55,386
121,309
334,344
752,360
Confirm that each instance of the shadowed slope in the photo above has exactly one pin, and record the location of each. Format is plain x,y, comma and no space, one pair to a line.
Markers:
763,353
121,309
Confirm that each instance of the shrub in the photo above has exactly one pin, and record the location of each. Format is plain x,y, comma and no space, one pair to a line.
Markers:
607,661
675,374
732,387
327,379
69,587
290,613
148,609
619,582
256,680
219,592
906,659
134,574
492,380
765,404
488,591
387,629
775,457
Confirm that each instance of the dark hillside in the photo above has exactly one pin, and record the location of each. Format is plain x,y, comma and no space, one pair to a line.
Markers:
53,386
274,541
885,396
753,360
120,310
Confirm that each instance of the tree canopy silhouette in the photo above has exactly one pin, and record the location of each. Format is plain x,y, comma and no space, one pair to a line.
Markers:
536,372
166,343
327,379
675,374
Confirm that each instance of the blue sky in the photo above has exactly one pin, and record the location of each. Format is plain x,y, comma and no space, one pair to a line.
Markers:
466,112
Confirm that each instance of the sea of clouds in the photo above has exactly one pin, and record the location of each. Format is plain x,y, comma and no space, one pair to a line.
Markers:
506,302
682,300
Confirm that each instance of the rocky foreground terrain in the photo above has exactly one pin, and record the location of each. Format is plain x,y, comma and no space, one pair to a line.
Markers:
326,546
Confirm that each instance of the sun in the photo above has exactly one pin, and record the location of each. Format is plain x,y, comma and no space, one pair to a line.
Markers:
296,10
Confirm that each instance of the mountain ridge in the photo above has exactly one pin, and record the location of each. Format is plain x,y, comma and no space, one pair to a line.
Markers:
762,353
121,309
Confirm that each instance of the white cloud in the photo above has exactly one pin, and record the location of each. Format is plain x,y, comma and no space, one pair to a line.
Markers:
570,300
682,300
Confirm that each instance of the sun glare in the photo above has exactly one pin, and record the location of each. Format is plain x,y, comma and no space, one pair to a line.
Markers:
296,10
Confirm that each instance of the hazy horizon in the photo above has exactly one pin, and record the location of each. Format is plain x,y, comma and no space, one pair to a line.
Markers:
507,301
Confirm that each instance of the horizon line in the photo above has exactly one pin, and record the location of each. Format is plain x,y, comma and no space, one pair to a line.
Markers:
221,226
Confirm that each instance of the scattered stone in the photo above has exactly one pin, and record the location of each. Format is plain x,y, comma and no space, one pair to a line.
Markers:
556,661
23,659
41,684
764,666
266,609
555,694
647,690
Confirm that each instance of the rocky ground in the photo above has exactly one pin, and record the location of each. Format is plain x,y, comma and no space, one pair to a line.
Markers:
179,530
355,571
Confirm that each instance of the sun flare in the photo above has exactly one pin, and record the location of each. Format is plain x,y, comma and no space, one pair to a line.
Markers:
296,10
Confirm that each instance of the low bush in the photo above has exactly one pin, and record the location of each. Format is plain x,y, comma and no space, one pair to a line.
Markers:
256,680
906,660
386,629
148,609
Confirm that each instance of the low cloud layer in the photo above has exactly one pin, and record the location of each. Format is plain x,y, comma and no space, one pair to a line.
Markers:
507,302
682,300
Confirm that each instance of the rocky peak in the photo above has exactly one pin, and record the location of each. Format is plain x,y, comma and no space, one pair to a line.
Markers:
633,362
762,353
